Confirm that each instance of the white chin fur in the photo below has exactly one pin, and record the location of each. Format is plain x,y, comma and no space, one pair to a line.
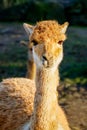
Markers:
60,127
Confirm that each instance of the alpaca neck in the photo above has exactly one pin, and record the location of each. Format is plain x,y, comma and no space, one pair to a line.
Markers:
45,107
31,70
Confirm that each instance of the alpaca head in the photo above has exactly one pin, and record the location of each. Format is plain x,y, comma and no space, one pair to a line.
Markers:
46,41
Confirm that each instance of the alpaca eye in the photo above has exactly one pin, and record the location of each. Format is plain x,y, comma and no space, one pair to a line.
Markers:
35,42
60,42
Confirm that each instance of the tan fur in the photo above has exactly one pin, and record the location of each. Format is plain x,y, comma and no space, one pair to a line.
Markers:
31,70
16,102
47,113
45,30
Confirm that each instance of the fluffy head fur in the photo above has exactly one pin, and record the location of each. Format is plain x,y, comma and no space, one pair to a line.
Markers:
48,30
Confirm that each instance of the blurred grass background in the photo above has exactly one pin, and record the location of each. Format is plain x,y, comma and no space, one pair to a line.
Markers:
73,69
75,11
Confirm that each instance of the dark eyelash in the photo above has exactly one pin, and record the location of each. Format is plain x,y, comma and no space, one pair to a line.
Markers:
35,42
60,42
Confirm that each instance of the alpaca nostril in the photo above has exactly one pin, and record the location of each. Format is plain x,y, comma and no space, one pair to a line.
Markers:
44,57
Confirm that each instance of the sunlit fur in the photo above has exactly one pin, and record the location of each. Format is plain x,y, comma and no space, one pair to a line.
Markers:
47,113
16,102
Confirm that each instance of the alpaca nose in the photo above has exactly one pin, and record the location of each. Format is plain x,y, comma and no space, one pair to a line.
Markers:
44,60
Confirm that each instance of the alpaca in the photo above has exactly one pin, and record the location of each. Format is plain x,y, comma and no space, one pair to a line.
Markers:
17,94
47,39
31,67
16,98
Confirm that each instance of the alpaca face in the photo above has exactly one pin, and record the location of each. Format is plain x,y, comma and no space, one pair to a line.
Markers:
47,55
46,41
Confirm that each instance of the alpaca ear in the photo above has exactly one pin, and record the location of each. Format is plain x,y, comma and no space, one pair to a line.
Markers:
64,27
28,28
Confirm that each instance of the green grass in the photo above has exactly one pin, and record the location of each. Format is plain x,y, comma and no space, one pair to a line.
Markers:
74,65
13,61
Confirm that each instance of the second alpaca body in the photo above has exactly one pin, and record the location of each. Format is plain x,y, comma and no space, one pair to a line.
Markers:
16,98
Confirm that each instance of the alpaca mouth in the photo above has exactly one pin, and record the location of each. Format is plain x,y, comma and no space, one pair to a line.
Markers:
45,63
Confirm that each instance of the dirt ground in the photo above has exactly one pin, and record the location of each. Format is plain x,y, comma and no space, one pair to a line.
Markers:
75,106
74,102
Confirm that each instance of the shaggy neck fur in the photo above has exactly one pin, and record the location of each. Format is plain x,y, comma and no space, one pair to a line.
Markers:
46,104
31,70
